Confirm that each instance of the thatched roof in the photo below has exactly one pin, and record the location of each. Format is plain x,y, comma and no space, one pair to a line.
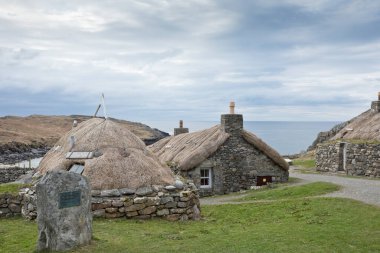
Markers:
124,162
188,151
366,126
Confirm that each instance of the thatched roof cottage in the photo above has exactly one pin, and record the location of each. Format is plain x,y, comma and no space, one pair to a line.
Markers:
127,179
224,158
355,148
109,155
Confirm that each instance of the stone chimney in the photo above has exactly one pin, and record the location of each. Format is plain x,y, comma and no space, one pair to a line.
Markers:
181,129
232,123
375,106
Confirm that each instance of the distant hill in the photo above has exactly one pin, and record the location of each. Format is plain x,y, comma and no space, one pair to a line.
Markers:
366,126
19,134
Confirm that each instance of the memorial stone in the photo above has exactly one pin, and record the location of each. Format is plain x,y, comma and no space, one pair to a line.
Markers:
64,211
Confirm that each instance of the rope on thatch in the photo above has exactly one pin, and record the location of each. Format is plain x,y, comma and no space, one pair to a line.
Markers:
265,148
124,162
188,151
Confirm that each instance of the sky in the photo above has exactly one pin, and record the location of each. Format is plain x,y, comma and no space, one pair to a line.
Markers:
162,60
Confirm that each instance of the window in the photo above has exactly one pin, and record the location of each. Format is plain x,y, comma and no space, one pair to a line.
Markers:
77,168
205,178
263,180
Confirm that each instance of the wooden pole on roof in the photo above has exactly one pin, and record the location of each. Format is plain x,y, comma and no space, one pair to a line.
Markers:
97,110
104,107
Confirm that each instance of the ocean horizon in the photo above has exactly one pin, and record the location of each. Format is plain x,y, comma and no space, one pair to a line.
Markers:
287,137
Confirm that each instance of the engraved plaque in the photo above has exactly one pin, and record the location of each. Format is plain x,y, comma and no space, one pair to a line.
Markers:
69,199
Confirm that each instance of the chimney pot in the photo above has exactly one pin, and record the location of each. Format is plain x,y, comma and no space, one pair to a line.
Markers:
232,107
181,124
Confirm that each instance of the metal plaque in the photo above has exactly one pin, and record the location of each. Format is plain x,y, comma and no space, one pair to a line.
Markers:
69,199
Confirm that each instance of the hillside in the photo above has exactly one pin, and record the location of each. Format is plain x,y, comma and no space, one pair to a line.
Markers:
36,133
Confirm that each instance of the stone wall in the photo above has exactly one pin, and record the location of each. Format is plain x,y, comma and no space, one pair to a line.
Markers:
10,205
362,159
12,174
327,157
170,202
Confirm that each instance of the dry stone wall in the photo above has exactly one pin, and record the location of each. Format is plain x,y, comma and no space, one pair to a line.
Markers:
10,205
362,159
12,174
173,202
167,202
327,157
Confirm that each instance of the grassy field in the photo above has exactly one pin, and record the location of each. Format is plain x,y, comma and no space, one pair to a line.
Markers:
306,163
291,225
301,191
11,188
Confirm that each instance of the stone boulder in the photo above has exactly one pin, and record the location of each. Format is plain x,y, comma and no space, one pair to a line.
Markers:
64,211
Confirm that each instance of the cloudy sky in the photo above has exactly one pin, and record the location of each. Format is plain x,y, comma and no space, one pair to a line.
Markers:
169,60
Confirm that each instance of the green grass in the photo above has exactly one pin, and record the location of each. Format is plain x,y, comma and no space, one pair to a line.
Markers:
291,180
298,225
11,188
308,164
301,191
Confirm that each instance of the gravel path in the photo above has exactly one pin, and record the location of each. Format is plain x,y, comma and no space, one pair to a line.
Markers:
365,190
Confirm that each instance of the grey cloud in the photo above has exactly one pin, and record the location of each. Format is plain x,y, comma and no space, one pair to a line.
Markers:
191,57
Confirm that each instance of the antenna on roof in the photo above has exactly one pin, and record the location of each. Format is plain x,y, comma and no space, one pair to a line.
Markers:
102,104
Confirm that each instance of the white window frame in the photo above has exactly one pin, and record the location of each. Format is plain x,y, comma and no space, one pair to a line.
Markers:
209,178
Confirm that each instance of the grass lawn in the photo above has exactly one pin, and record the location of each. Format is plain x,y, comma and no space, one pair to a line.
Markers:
306,163
10,188
291,181
296,225
300,191
312,225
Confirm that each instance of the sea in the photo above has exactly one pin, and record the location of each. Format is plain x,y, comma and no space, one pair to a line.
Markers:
287,137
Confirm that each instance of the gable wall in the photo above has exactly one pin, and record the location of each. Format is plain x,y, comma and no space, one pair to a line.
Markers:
235,166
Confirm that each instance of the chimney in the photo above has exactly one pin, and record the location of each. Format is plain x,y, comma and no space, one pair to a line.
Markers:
375,106
232,123
181,129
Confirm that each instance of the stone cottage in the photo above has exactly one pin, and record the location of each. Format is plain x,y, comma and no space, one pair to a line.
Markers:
224,158
127,180
355,149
